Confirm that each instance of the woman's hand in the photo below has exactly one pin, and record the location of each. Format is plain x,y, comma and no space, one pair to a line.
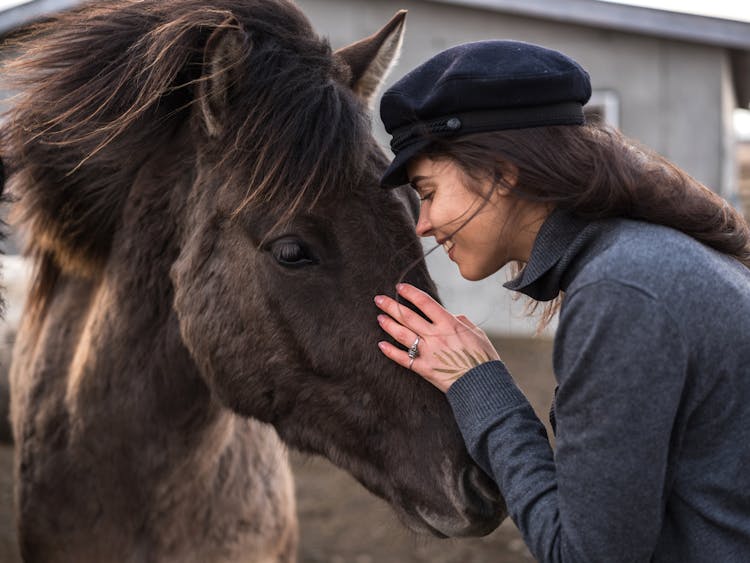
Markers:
449,345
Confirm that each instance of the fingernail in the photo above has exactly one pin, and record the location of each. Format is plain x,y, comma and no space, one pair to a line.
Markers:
400,286
378,299
381,318
381,345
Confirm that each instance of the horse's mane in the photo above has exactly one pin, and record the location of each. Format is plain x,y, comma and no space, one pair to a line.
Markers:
106,85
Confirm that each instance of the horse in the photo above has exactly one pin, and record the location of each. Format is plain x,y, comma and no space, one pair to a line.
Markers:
197,182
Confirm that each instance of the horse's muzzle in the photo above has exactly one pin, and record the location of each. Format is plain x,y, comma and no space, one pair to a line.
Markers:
478,508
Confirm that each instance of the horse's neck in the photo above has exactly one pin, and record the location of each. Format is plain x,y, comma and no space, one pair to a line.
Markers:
106,355
108,350
105,387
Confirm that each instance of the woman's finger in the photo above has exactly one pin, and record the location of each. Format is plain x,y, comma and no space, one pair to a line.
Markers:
400,333
425,303
396,354
403,314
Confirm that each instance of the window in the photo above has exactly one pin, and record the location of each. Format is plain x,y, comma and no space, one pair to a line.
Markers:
603,107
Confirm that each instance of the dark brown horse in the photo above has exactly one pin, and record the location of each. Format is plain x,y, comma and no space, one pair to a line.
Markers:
198,184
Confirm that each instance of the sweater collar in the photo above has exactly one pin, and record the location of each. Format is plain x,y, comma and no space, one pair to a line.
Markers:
561,238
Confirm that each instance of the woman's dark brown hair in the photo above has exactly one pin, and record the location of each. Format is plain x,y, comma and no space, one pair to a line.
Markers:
596,172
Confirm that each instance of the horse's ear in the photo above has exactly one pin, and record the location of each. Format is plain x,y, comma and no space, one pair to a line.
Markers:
226,49
371,59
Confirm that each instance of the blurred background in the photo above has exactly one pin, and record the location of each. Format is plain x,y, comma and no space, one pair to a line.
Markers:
674,75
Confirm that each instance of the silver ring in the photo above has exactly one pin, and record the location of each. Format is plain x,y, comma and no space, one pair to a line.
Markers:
411,361
414,351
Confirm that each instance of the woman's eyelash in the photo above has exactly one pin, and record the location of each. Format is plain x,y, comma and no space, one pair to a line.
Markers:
425,196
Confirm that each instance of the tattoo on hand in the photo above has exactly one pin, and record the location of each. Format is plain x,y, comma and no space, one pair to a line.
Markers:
458,362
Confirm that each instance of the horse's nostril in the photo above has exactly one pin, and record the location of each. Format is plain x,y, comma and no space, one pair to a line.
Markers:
478,507
480,489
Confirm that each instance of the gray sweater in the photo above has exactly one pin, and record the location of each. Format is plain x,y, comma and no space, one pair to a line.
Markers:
652,409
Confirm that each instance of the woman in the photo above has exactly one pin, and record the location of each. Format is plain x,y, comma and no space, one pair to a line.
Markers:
652,350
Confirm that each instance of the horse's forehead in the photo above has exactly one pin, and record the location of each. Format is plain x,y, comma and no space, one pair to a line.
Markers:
409,198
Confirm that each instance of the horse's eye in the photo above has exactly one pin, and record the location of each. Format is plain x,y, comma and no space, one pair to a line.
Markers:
292,253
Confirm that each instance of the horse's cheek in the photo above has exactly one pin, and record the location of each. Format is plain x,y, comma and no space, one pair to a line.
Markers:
195,310
213,329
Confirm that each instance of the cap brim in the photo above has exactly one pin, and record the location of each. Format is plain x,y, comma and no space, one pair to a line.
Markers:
395,175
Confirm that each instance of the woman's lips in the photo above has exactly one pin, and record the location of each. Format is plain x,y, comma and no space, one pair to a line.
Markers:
448,246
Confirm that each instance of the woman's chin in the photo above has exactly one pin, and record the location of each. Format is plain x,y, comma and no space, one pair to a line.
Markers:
473,274
469,274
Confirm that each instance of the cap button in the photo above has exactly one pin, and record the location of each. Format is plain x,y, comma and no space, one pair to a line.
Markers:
453,124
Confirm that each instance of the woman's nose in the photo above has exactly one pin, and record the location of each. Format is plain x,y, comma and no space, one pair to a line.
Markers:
424,227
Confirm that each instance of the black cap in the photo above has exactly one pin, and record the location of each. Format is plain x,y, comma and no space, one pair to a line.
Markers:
479,87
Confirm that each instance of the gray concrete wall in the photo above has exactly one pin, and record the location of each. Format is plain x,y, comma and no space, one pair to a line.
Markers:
670,92
672,98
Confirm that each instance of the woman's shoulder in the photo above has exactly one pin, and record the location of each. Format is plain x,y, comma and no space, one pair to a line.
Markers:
658,260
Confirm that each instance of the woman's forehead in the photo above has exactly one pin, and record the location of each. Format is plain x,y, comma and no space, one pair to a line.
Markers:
428,166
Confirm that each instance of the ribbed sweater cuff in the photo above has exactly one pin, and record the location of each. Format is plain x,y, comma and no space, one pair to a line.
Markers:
485,390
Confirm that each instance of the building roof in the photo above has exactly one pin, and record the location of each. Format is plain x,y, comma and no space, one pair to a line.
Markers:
595,13
730,34
30,11
693,28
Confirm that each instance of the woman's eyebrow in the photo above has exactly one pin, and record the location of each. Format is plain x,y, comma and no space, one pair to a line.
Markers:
417,179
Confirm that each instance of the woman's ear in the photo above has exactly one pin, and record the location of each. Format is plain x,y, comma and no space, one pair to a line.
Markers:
506,177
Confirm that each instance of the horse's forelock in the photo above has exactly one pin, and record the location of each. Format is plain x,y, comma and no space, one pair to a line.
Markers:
312,144
105,85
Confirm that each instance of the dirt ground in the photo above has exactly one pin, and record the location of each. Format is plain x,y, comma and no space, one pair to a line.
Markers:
340,522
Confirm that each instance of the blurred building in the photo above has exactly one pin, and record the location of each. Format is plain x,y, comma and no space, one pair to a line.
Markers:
672,81
669,80
743,174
